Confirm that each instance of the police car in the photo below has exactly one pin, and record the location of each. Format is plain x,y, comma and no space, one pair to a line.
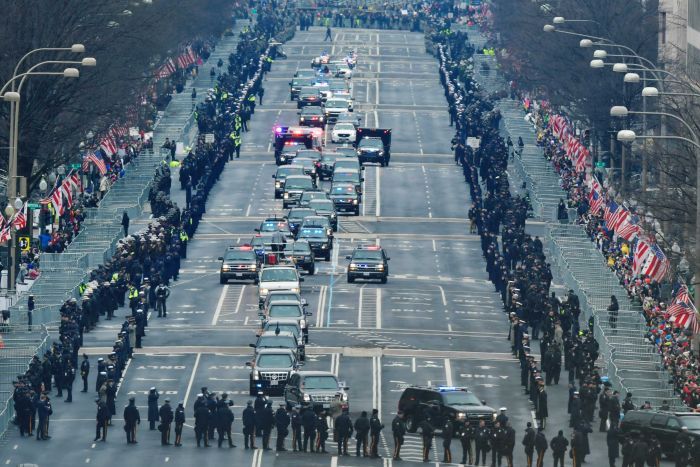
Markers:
368,262
239,263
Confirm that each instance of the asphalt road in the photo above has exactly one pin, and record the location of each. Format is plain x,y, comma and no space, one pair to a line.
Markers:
437,321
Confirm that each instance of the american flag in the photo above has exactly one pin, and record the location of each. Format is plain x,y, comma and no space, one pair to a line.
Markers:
656,265
629,227
687,319
640,255
595,199
108,145
557,124
74,180
67,191
681,297
615,215
57,201
5,234
96,159
20,219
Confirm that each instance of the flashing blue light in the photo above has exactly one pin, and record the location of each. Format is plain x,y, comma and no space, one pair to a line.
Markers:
447,388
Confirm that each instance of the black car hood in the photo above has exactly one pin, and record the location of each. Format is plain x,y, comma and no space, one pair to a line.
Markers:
474,409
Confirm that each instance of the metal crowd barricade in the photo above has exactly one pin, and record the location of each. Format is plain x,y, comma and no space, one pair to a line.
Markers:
628,358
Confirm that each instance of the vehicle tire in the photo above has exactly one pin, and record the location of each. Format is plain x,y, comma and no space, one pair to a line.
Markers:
357,212
411,424
284,206
383,279
382,163
351,279
328,256
222,280
386,163
312,270
256,281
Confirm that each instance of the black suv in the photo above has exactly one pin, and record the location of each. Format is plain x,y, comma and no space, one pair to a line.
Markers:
368,262
666,426
442,404
239,263
319,241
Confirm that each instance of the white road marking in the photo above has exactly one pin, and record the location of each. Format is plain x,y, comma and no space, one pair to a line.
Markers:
219,304
448,372
321,306
413,364
434,246
379,308
442,295
191,381
534,418
378,201
334,461
376,96
247,211
240,299
449,327
359,306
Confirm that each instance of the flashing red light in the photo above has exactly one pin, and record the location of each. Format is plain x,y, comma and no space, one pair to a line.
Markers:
372,247
246,247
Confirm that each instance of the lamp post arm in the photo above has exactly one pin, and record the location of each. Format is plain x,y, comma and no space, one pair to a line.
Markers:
14,78
676,117
42,49
679,138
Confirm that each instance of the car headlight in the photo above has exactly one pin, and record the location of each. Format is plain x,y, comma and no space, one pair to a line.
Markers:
283,158
333,215
286,196
380,267
256,375
253,267
307,398
278,185
324,246
381,153
461,416
302,323
264,292
296,290
301,119
354,201
344,397
225,268
313,171
353,266
329,231
320,118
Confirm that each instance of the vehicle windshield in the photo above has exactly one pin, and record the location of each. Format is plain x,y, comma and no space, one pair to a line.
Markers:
312,195
279,275
298,82
347,164
284,327
321,205
368,254
692,422
299,183
259,242
311,111
371,143
273,226
299,248
300,213
342,189
337,103
306,163
346,151
284,172
283,296
280,342
275,361
312,232
344,127
346,177
284,311
320,382
240,255
460,398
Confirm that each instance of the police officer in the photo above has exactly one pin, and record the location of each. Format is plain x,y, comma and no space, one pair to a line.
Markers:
540,445
68,379
559,445
162,294
308,421
466,436
529,443
343,431
281,424
179,423
102,418
268,419
427,431
654,452
152,408
361,432
321,432
398,429
202,420
482,438
375,429
224,419
249,425
296,429
85,371
131,419
165,413
447,434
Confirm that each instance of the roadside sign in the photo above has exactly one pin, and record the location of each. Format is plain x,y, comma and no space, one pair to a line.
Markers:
33,205
25,243
209,137
600,165
74,166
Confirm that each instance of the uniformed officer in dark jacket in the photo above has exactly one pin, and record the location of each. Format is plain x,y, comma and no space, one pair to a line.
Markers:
681,450
466,437
321,432
361,432
282,426
559,445
131,419
201,424
641,450
165,413
259,405
447,434
375,429
398,429
529,443
296,429
508,444
152,408
482,438
224,420
427,431
308,421
85,371
102,420
613,442
654,452
540,446
578,448
179,423
68,379
343,431
249,426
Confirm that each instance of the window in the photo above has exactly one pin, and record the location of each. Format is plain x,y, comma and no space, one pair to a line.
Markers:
673,424
662,26
659,420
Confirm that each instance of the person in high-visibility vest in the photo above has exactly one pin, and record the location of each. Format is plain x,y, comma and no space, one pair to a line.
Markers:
133,298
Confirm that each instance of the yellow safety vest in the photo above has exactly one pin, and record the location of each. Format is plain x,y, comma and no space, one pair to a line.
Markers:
133,293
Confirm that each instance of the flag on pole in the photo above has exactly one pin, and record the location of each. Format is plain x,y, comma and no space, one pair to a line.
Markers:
57,201
98,161
629,228
656,265
640,255
20,220
5,234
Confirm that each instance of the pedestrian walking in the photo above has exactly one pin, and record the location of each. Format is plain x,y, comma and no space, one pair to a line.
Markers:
30,311
102,418
613,442
249,426
131,419
328,36
342,431
152,408
509,444
224,419
529,443
361,433
179,423
282,426
398,429
165,413
559,445
375,429
125,223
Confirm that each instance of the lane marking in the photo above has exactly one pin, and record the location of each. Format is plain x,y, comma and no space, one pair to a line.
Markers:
413,364
247,211
442,295
377,196
434,246
334,461
448,372
534,418
240,299
359,306
379,308
191,381
219,304
449,327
